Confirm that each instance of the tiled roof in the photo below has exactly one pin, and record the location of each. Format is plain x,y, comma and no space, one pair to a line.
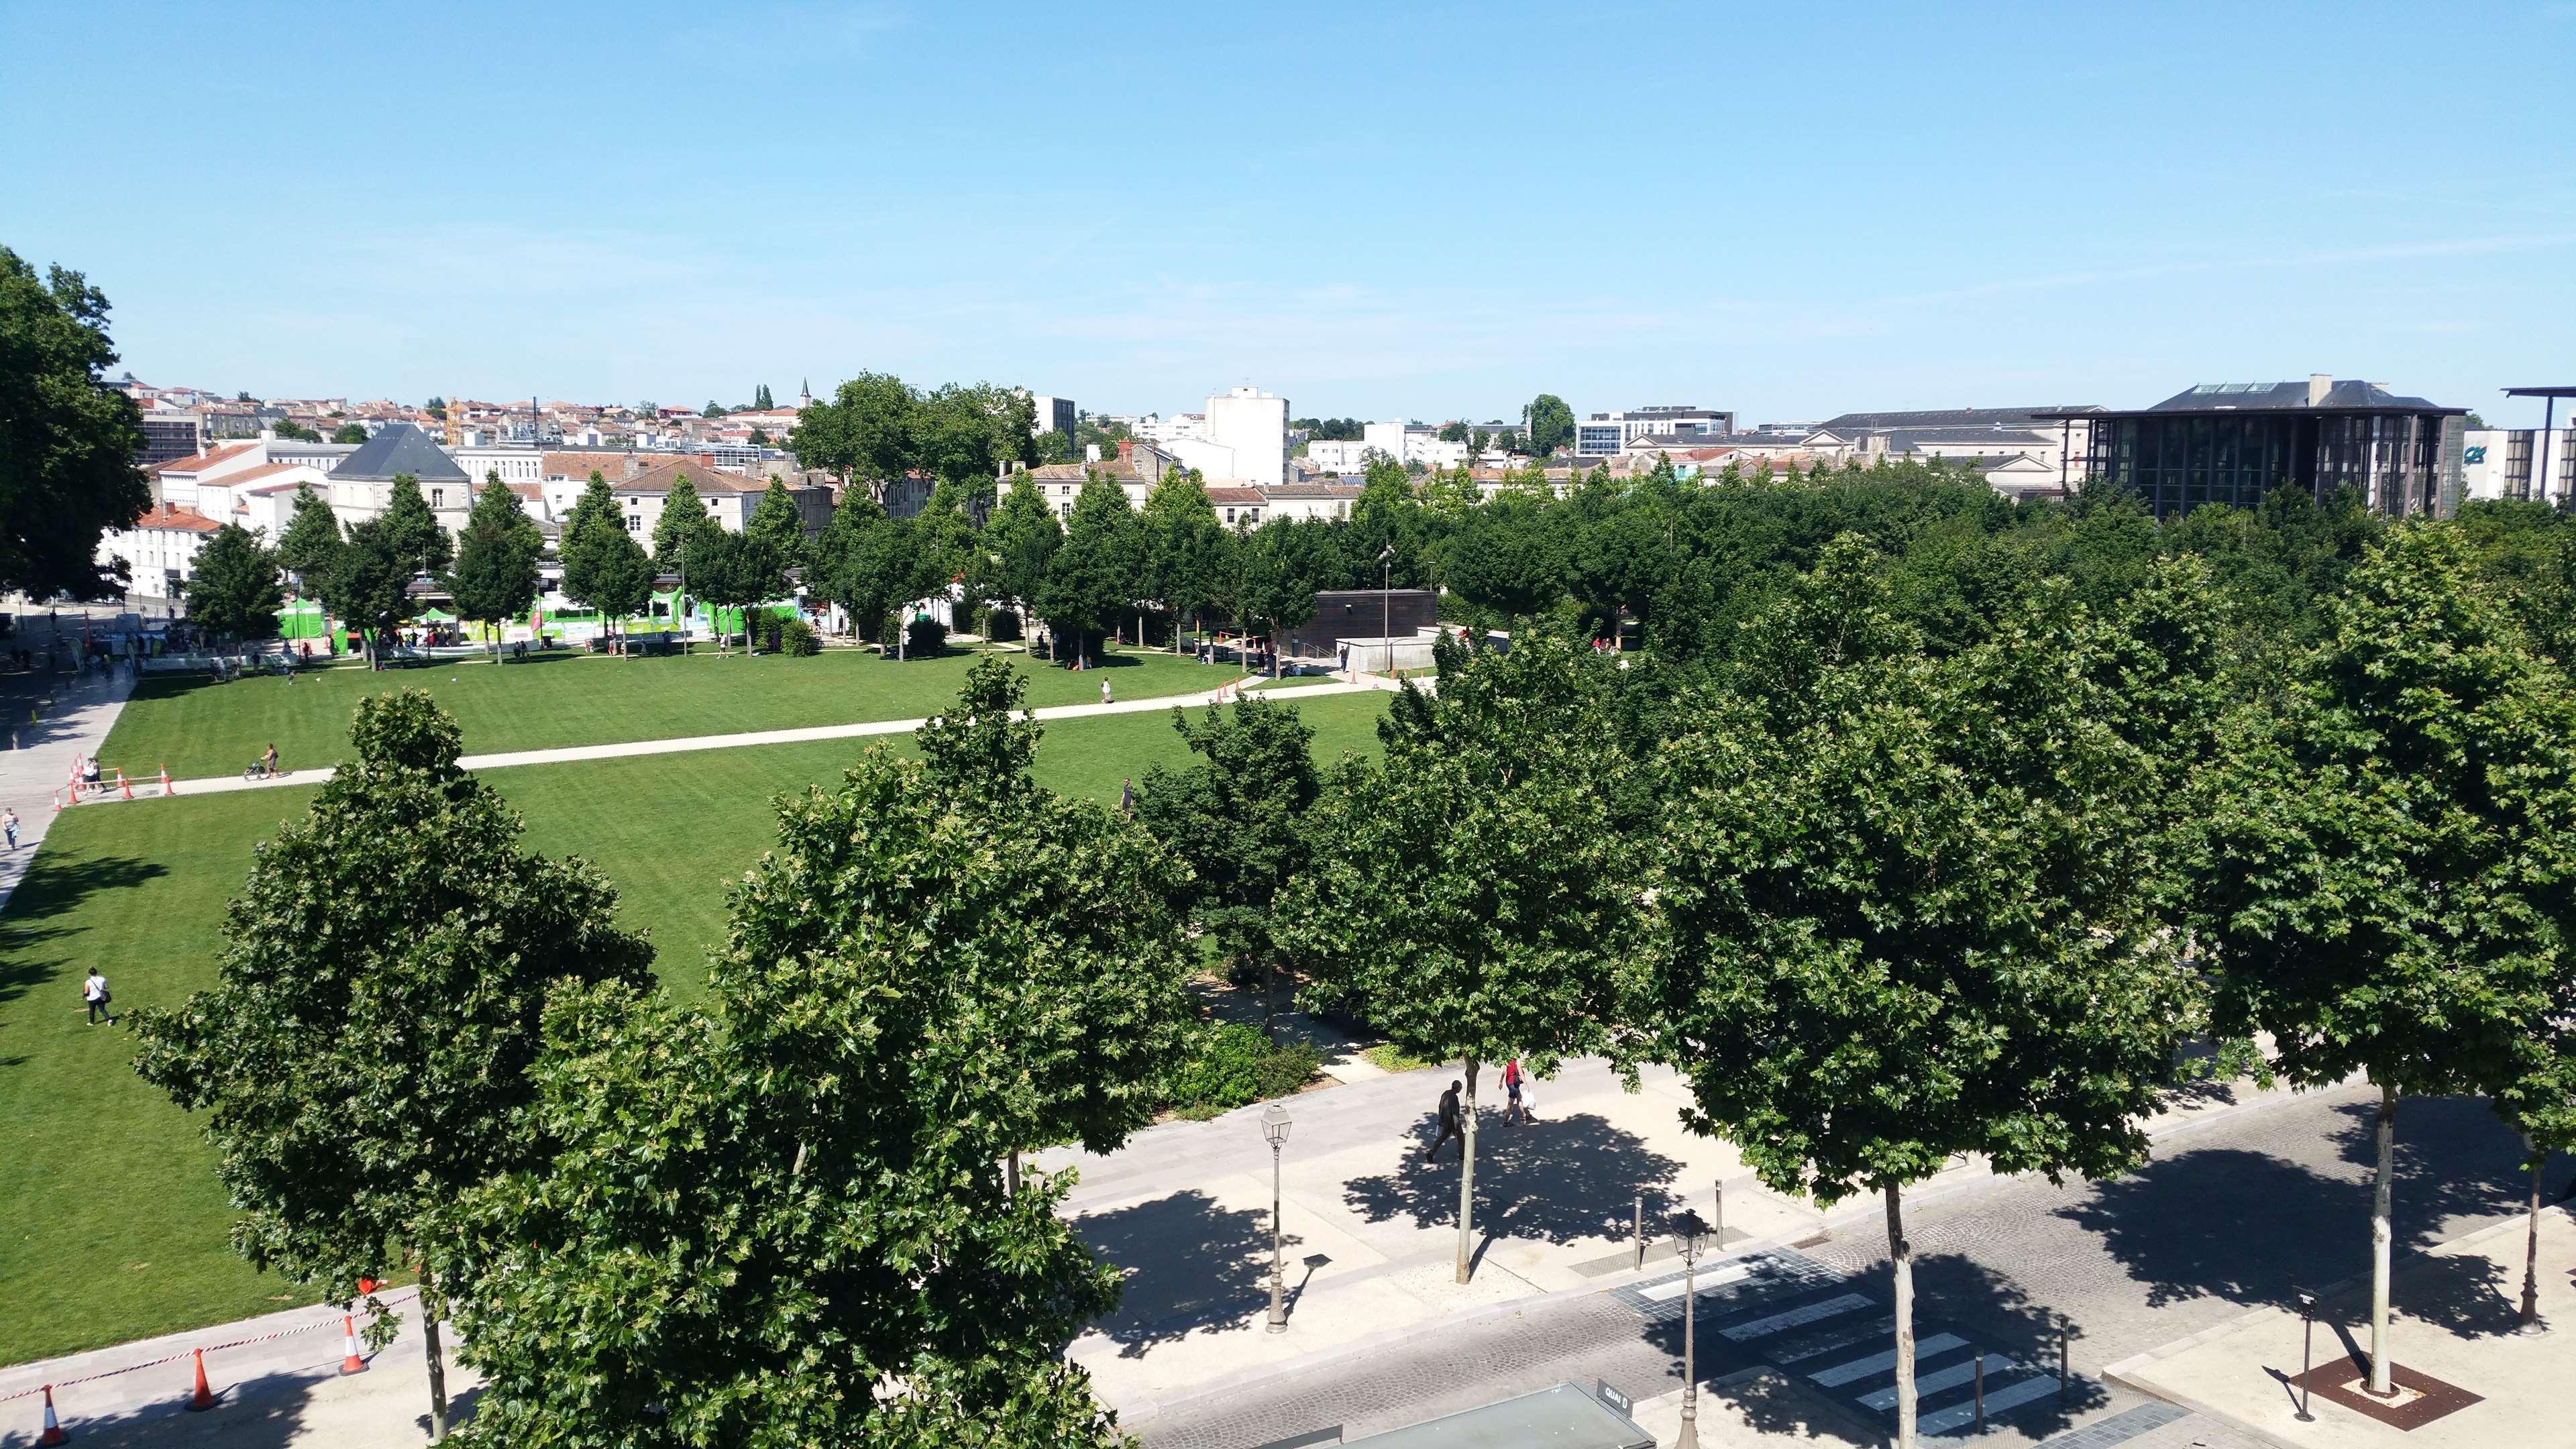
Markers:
579,466
204,460
264,470
1235,497
180,520
702,477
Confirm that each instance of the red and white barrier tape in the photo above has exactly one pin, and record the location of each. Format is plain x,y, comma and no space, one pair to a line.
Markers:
185,1352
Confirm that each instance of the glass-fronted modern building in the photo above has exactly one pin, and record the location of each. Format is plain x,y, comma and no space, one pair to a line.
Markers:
2234,442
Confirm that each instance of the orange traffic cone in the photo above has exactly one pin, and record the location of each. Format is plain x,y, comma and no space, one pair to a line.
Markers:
53,1427
165,779
204,1398
125,784
352,1364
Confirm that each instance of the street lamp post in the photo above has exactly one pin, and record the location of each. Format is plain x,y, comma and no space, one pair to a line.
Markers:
2307,1351
1686,1238
1385,609
1274,1126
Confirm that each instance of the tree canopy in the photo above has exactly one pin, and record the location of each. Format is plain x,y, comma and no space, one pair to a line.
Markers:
495,577
68,443
232,589
365,1054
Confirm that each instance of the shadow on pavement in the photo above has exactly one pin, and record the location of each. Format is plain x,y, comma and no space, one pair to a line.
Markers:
1188,1262
2249,1227
1555,1180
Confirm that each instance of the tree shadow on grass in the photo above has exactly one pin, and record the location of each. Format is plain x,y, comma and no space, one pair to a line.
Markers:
56,885
1188,1263
2252,1228
1555,1180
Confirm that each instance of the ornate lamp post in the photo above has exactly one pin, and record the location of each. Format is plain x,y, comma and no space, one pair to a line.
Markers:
1686,1238
1274,1127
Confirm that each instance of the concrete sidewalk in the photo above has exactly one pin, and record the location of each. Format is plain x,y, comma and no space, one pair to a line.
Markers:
73,714
2455,1320
225,784
1371,1230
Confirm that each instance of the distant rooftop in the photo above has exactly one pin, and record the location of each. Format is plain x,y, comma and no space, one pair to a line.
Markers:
396,449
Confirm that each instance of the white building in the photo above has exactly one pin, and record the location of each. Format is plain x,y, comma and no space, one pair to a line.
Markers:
159,551
1054,415
1254,425
1604,434
1180,429
2499,463
1409,443
1348,458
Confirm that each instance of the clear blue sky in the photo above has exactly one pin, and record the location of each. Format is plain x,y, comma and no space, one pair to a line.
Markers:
1375,209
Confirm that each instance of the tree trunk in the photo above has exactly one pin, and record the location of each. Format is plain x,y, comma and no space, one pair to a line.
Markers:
1467,1173
1011,1175
1900,1256
437,1363
2531,1243
2379,1241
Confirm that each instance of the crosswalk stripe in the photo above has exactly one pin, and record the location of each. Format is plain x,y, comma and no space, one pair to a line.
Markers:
1813,1312
1839,1338
1951,1377
1665,1292
1879,1363
1997,1400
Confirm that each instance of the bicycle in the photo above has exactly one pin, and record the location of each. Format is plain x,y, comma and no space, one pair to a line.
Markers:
259,770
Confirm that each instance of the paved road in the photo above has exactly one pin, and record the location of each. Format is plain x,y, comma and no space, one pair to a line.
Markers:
2228,1216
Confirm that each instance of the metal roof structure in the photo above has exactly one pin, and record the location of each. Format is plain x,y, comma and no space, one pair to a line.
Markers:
1561,1417
1847,423
2249,397
396,449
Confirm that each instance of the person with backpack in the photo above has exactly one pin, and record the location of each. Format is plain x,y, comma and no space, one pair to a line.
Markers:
94,992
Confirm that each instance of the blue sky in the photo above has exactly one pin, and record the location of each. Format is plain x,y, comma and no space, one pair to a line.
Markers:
1374,209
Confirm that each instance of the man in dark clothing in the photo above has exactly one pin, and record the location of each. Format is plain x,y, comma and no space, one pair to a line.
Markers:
1448,1125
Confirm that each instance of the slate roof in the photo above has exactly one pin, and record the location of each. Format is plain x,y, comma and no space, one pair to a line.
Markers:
1953,418
1907,440
396,449
2274,396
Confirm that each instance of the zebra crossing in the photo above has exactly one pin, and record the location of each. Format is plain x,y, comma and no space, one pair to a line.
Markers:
1834,1332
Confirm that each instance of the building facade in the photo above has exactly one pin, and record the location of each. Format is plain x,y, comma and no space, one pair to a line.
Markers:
1603,435
2499,463
2234,442
1253,425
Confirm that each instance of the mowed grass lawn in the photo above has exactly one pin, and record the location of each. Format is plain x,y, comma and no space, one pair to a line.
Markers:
112,1226
199,728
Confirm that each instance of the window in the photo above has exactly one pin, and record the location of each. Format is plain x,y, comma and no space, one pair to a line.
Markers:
635,523
438,498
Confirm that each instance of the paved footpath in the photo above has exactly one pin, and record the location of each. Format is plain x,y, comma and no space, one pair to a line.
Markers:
2240,1204
225,784
70,718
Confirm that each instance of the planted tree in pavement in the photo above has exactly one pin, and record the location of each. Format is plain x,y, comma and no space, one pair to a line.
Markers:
1470,897
1909,908
365,1053
2388,879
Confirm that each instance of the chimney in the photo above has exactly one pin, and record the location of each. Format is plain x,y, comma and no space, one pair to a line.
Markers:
2319,384
1091,452
1126,452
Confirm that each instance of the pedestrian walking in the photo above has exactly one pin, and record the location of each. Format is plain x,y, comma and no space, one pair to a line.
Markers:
9,827
1449,1125
1126,798
1104,693
94,991
1512,1077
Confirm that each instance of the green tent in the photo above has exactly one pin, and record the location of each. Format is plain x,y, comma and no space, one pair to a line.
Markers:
433,616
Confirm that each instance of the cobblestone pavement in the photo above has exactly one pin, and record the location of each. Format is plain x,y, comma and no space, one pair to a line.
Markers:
2225,1217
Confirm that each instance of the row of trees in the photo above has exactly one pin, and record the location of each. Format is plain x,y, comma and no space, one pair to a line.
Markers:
877,428
1884,887
1886,900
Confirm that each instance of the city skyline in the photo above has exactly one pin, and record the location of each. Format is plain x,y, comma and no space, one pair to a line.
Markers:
1425,216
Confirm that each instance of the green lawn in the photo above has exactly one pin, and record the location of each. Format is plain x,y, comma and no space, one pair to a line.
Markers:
200,728
111,1223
